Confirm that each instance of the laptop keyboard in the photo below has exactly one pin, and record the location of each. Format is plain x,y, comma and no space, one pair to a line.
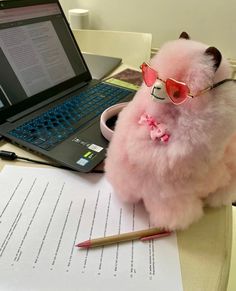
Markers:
55,125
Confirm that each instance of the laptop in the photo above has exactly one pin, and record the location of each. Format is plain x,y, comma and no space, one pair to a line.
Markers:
101,66
49,103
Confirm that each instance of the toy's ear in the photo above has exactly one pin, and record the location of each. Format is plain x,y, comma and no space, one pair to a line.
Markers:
216,56
184,35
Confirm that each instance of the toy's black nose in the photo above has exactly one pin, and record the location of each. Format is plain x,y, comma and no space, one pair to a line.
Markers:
157,87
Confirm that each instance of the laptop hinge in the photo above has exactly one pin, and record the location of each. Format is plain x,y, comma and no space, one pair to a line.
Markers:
45,103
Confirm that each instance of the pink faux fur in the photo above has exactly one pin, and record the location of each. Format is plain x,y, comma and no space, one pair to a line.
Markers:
197,166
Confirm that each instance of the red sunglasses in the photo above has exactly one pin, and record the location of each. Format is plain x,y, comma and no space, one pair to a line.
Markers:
178,92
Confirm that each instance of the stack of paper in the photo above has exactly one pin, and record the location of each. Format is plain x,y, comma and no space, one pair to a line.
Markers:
45,212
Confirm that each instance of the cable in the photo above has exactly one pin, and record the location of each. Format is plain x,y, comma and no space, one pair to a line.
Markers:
11,156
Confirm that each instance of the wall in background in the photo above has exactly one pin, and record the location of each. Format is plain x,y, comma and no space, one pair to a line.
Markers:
210,21
69,4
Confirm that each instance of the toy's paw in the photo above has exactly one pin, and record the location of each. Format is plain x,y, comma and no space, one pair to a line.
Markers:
124,192
128,197
175,214
223,196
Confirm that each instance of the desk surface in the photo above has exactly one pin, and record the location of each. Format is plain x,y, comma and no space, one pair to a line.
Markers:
204,248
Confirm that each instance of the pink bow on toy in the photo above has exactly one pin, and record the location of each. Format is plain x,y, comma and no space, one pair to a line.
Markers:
157,130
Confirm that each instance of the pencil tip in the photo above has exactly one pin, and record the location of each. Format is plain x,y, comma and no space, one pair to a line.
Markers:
84,244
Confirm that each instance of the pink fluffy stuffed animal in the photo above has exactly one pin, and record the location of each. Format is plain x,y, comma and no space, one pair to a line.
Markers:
174,145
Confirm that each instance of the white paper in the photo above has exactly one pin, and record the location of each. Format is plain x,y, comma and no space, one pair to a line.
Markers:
45,212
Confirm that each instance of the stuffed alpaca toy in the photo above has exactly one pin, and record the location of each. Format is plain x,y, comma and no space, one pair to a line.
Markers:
174,144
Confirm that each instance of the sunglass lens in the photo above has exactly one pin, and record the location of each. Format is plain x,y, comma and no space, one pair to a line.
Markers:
149,74
177,91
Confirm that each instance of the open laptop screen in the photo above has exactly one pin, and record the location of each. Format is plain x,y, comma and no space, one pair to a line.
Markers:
37,53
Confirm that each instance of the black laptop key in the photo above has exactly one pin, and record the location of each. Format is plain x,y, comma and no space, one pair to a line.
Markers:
55,125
